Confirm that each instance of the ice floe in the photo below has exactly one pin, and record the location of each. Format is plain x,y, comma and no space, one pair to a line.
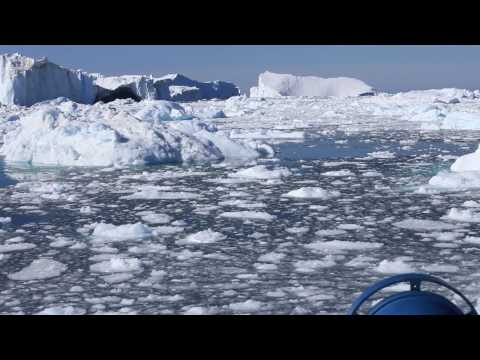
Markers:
202,237
312,193
248,215
39,269
111,233
396,266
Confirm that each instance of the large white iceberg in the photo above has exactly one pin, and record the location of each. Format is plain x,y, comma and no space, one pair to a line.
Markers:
275,85
26,81
120,133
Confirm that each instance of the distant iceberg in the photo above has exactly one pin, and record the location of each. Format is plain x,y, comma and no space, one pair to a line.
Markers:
172,87
276,85
26,81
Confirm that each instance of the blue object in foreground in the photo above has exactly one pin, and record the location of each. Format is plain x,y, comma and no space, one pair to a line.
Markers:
413,302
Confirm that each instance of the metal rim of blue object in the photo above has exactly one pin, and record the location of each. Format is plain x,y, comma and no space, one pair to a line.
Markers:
415,280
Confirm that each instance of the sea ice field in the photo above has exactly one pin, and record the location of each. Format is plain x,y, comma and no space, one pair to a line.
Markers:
289,205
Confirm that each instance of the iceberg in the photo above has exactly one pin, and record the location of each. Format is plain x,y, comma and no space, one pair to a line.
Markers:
276,85
137,86
468,162
121,133
25,81
173,87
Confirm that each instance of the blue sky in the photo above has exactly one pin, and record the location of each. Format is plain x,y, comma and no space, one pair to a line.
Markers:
388,68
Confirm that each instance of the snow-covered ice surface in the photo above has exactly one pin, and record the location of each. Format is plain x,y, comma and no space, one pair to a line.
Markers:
222,238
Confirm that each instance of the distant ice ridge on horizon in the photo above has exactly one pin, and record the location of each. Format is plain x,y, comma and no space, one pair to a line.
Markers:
25,81
173,87
121,133
276,85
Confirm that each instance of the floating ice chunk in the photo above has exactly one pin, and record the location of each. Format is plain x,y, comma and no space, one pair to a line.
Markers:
350,227
298,230
187,255
265,266
167,230
62,310
117,264
328,232
86,210
371,174
338,173
397,266
76,288
471,204
109,232
62,242
242,204
441,268
271,257
147,249
39,269
472,240
445,236
157,218
5,220
308,266
246,306
248,215
152,193
16,247
381,155
418,224
360,261
202,237
343,245
312,193
466,215
196,310
261,172
15,239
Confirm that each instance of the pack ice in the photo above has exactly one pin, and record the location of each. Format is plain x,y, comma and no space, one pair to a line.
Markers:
25,81
120,133
275,85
